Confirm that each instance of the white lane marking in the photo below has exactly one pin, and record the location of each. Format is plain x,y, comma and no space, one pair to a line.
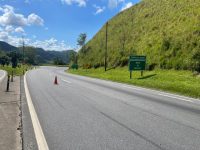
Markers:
4,74
156,92
40,138
65,81
131,87
187,100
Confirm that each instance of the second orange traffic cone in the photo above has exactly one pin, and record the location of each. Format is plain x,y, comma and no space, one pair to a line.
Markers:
56,81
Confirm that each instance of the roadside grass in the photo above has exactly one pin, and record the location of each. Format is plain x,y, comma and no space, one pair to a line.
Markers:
16,71
180,82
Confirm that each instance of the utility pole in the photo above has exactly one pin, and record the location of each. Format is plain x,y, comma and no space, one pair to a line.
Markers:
23,52
23,48
106,48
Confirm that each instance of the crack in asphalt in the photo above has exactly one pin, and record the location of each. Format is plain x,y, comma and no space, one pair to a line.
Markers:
131,130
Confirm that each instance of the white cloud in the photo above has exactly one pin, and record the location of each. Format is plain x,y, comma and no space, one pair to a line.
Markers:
126,6
99,9
3,36
10,18
9,29
12,22
81,3
51,44
114,3
35,20
19,30
6,37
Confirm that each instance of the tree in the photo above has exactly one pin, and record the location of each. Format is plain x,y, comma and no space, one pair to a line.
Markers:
72,57
4,60
58,61
81,41
30,55
14,56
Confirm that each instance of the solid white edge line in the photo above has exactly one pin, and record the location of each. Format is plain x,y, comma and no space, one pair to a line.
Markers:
129,87
187,100
4,75
39,135
157,92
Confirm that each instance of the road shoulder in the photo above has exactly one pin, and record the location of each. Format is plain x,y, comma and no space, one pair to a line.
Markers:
29,141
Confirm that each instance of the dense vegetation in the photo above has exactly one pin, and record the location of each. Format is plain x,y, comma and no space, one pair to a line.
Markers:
16,71
166,31
32,56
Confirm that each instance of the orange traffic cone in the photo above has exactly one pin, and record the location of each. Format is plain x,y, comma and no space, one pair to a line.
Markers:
56,81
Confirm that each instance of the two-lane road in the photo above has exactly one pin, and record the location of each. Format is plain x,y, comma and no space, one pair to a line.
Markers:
82,113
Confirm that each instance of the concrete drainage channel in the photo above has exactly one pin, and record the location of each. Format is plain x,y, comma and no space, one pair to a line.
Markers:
16,130
10,129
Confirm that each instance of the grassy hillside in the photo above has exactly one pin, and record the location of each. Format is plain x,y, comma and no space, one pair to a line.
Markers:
166,31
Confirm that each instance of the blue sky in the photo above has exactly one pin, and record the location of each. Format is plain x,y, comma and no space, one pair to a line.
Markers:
55,24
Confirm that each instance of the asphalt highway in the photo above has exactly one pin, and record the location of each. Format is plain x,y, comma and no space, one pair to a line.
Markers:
82,113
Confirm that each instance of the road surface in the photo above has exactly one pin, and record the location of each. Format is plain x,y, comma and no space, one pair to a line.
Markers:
82,113
2,75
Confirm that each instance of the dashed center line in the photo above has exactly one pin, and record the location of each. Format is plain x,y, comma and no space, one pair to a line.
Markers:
65,81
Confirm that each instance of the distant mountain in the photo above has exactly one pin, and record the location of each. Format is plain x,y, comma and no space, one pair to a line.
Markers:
7,47
49,56
39,54
166,31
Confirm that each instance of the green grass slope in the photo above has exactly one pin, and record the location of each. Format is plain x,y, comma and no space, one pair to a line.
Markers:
166,31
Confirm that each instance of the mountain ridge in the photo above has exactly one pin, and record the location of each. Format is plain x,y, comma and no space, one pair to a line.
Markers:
43,56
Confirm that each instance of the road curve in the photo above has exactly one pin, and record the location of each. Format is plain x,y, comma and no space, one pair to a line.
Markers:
91,114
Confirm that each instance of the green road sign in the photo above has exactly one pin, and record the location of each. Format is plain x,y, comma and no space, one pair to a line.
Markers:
137,63
74,66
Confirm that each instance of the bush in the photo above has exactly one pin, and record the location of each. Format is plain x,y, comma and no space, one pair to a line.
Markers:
97,66
87,66
124,62
152,66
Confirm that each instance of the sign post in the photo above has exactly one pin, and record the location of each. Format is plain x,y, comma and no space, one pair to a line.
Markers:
137,63
130,74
